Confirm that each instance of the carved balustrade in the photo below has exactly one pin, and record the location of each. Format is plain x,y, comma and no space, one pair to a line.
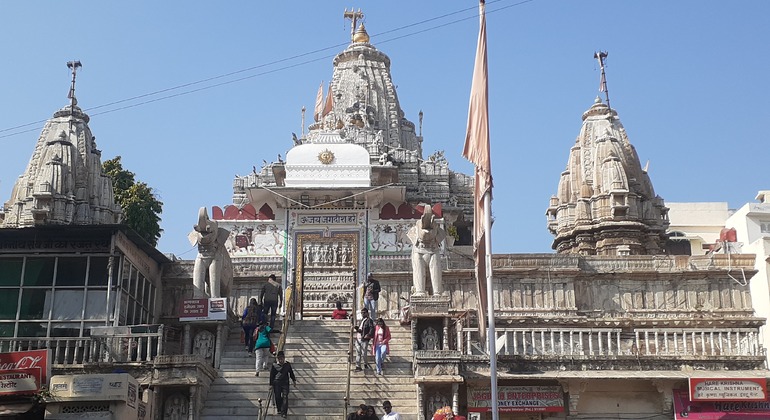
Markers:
119,346
608,342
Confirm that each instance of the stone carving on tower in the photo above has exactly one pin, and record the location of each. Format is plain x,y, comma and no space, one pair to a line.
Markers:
605,203
64,182
360,137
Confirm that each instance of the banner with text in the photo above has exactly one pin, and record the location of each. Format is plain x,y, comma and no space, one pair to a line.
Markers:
204,309
733,389
518,398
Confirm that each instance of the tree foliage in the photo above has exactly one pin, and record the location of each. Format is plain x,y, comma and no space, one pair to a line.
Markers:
141,207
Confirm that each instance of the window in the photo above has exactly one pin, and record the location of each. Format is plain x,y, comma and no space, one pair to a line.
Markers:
39,271
10,271
764,227
9,301
71,271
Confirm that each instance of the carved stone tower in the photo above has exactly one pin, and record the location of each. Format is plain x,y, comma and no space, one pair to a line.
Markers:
64,182
605,204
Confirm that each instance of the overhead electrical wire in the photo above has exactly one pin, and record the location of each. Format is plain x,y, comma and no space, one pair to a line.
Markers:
272,63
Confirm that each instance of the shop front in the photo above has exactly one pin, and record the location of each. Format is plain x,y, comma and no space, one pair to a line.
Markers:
722,399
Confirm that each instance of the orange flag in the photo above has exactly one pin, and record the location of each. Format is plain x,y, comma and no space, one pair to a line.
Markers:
319,102
329,102
476,150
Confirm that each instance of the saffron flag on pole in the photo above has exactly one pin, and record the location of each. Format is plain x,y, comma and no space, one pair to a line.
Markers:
319,103
329,103
476,150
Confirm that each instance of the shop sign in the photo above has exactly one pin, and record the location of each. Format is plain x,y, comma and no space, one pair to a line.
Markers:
686,409
518,398
732,389
212,309
23,372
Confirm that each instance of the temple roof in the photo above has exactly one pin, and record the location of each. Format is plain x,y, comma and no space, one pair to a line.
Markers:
362,124
64,182
605,203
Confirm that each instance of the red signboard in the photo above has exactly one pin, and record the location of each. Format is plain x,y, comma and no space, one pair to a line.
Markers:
194,308
686,409
23,372
728,389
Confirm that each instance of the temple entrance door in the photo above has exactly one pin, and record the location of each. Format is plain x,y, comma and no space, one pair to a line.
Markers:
326,272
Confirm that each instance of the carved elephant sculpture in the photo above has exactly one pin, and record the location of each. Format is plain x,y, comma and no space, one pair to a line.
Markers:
213,271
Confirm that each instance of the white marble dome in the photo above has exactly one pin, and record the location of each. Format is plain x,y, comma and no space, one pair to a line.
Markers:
328,161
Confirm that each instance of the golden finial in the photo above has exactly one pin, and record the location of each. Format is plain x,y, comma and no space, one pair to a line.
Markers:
361,35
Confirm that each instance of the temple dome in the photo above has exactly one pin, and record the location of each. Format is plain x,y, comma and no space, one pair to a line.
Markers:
327,160
64,182
605,203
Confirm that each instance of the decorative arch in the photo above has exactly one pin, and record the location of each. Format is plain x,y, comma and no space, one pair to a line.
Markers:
405,211
265,213
388,212
217,213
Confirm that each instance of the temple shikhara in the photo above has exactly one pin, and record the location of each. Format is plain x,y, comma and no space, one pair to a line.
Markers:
633,316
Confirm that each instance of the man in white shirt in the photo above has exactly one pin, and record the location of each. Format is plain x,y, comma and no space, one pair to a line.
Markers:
389,413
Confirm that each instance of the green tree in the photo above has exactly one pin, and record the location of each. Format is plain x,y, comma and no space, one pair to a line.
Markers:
141,207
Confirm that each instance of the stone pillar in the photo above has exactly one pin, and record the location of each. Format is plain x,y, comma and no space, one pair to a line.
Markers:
192,407
420,401
459,325
573,388
220,348
664,387
445,338
456,398
187,339
157,404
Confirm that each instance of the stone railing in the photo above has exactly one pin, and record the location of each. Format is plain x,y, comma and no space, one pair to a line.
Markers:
134,344
609,342
611,264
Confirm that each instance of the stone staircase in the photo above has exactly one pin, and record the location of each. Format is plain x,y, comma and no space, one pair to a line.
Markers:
317,350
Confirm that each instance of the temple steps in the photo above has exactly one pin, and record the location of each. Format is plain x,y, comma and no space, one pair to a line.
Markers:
317,350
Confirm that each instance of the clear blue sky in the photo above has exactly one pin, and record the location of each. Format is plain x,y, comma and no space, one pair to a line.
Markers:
689,80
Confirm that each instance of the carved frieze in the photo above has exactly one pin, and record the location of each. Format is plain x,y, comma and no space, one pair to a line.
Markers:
430,306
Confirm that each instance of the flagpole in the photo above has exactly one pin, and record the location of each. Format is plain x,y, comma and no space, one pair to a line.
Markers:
491,335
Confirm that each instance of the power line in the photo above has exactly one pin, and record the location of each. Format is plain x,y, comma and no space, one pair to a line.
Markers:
272,63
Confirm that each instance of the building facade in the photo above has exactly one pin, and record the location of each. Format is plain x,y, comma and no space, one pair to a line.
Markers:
609,326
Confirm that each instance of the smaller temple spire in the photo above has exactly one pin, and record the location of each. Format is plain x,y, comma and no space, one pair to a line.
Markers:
601,56
74,66
354,17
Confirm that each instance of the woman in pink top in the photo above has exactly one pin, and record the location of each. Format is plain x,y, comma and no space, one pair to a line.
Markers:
380,343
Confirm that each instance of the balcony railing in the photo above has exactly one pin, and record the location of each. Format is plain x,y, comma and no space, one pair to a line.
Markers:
132,344
608,342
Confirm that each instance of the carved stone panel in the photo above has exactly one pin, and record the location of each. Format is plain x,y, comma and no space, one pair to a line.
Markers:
203,345
325,271
175,407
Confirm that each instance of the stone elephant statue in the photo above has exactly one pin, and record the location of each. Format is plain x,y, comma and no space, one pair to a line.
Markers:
213,271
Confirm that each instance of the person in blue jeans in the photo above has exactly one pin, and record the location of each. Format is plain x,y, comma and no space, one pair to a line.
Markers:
371,294
251,317
381,343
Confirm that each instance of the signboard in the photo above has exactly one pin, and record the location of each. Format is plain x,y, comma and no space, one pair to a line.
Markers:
95,387
686,409
23,372
733,389
212,309
518,399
